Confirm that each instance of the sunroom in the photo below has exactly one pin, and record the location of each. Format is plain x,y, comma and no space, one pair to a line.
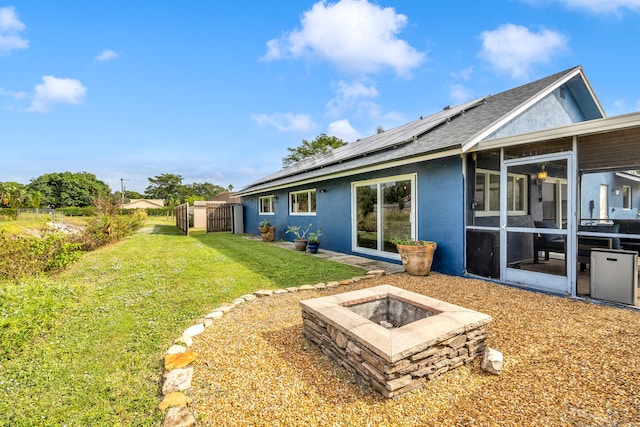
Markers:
558,210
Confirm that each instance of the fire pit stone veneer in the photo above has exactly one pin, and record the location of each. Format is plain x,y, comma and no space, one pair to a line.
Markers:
393,339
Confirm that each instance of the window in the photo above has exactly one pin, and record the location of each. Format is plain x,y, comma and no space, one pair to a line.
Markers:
626,197
487,201
267,205
302,202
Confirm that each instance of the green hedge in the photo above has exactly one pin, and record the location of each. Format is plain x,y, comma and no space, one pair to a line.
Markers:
76,211
161,211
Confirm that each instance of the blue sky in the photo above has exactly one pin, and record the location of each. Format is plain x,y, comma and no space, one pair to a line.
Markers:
216,91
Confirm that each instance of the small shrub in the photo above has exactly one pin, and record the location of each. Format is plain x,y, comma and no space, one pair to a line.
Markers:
77,211
161,211
106,229
7,214
23,255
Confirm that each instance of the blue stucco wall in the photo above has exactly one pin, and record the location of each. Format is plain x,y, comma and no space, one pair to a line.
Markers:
440,208
590,190
556,109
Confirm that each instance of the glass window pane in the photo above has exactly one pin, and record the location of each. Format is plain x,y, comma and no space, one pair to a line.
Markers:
519,192
480,192
396,213
626,197
494,192
312,196
366,212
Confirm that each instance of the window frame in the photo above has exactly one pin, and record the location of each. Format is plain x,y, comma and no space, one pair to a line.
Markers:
261,205
487,173
312,206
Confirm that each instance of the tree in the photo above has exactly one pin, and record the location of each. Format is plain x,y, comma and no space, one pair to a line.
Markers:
69,189
15,195
205,190
320,145
167,187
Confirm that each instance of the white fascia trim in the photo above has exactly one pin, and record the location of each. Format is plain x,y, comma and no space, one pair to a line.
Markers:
373,168
523,107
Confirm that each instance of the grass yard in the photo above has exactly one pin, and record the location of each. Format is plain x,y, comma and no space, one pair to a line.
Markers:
85,347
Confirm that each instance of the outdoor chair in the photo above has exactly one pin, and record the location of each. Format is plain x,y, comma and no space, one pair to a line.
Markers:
547,242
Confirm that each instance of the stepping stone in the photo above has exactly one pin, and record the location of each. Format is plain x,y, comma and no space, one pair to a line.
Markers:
194,330
214,315
179,360
175,398
179,416
263,293
177,380
176,349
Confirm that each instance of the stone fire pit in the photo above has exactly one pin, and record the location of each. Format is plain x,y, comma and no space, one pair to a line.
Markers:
392,339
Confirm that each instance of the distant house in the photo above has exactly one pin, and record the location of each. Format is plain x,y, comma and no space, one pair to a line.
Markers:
200,207
489,180
143,204
227,197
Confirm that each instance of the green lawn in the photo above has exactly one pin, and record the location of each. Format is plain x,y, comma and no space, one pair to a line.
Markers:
85,347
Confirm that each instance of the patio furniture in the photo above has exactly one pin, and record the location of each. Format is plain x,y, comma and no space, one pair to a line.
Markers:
547,242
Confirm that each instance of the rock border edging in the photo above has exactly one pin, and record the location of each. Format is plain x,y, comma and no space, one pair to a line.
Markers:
177,375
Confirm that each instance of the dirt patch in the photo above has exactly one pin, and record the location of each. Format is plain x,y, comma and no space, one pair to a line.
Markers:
566,362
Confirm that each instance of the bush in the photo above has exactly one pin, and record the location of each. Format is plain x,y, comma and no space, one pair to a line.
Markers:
106,229
30,256
161,211
24,255
77,211
7,214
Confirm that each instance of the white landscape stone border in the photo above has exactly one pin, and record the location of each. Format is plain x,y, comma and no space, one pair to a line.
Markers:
177,375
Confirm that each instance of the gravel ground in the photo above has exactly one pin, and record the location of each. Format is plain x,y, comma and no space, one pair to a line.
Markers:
566,362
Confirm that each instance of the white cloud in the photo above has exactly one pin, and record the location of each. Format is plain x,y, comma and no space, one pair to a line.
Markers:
343,130
597,6
513,49
55,90
106,55
461,94
348,96
463,74
354,35
10,27
13,94
286,122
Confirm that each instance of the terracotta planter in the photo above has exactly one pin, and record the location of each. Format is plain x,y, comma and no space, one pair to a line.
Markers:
267,233
417,259
300,244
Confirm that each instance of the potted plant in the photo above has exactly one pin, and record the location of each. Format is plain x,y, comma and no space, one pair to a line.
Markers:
416,255
314,241
300,236
266,230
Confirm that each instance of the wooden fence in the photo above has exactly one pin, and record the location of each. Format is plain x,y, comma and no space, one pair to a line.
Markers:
219,218
182,218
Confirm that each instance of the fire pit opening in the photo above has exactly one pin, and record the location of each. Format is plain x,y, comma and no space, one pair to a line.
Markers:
392,339
390,312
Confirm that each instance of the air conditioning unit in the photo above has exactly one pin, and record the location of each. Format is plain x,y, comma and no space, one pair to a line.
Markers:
614,275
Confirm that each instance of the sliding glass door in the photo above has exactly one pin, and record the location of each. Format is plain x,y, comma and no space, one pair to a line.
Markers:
382,210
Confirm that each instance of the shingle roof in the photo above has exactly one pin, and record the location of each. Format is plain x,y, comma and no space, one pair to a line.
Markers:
451,128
